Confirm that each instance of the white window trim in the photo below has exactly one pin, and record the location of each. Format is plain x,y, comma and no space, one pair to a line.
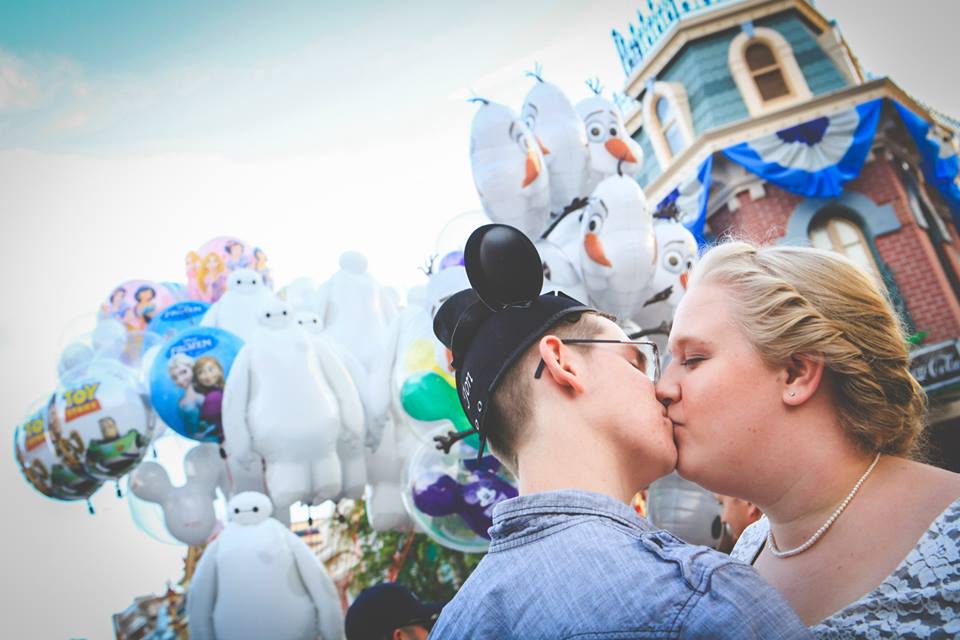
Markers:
677,95
783,53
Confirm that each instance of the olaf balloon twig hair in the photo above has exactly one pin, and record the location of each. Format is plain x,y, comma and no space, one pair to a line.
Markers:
594,85
537,72
476,98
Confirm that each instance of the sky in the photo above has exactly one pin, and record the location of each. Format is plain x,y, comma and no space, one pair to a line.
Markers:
131,133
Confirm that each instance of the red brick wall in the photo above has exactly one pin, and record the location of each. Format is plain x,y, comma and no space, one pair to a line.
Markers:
908,251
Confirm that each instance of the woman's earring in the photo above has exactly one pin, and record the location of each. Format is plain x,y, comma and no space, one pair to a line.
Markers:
792,394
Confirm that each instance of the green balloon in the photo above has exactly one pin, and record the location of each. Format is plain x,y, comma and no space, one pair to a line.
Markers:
427,397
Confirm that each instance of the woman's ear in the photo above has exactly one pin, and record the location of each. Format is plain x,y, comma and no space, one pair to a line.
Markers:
803,376
558,364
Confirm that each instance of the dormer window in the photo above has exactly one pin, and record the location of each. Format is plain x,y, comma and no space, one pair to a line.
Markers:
765,70
666,115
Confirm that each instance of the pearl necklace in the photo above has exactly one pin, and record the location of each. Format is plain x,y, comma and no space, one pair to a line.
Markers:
826,525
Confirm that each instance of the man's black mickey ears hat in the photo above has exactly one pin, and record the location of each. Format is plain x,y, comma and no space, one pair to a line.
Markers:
489,326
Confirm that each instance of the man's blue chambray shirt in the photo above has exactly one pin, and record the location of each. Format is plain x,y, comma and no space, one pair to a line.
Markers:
572,564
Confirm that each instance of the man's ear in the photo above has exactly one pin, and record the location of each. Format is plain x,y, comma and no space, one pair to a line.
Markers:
558,364
803,375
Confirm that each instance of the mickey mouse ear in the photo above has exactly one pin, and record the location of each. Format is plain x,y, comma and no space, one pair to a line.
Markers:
503,266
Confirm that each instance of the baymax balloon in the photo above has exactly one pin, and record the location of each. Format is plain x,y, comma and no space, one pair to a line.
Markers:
612,151
548,113
187,381
40,464
259,580
451,495
100,425
135,303
508,169
284,404
178,317
237,311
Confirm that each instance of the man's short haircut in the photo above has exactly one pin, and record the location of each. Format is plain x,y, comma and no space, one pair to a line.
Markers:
510,410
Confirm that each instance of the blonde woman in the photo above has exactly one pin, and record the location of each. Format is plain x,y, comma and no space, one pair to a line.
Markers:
212,277
789,387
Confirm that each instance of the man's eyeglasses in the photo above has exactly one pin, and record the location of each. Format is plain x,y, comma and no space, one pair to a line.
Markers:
647,356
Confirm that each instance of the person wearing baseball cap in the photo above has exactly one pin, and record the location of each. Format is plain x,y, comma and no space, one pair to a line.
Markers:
566,401
390,611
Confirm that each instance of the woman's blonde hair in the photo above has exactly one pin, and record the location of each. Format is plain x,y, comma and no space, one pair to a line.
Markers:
793,301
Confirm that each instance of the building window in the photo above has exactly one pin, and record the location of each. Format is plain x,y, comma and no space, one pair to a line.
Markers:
766,72
843,236
669,125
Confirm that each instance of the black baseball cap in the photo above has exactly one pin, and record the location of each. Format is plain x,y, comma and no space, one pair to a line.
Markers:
380,609
489,326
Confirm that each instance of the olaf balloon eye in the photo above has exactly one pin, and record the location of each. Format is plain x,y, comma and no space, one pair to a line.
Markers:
595,223
595,133
236,509
268,315
284,313
613,132
254,281
530,121
673,261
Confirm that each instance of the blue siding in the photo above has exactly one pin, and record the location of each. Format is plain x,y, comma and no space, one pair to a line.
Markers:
702,69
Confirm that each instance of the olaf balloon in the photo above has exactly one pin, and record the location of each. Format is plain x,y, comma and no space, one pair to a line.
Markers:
610,245
259,580
676,256
610,146
237,310
508,169
287,404
686,510
188,511
550,116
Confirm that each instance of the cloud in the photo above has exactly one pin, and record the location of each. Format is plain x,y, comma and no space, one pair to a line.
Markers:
18,89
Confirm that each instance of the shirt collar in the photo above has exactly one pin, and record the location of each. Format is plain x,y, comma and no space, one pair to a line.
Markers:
528,515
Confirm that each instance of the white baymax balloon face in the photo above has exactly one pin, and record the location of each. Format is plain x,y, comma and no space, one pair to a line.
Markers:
610,146
618,247
310,322
276,316
508,169
249,508
245,282
237,310
551,117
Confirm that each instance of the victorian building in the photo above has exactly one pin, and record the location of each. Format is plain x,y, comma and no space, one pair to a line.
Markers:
757,120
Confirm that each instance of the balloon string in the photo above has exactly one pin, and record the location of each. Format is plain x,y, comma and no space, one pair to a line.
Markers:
119,493
90,507
401,558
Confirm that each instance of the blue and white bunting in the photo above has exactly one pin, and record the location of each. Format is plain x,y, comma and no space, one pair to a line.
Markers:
939,164
816,158
690,198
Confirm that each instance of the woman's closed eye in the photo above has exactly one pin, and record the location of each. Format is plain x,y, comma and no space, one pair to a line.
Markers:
692,361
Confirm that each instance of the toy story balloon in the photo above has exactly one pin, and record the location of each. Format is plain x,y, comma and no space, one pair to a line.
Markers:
100,425
548,113
187,381
508,169
612,151
208,267
451,495
42,466
178,317
135,303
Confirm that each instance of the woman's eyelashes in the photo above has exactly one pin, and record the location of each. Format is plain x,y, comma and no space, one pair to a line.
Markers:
692,361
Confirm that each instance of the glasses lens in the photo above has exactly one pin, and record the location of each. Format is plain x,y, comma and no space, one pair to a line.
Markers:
649,359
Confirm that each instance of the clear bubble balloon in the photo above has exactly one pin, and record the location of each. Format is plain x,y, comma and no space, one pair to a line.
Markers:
685,509
451,495
453,237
